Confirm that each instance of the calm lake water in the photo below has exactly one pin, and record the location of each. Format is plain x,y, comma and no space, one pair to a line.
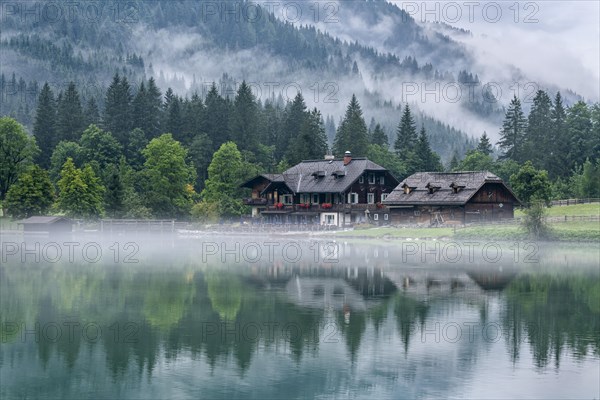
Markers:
221,318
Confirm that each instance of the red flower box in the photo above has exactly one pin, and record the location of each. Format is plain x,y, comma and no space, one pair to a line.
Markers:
279,206
326,206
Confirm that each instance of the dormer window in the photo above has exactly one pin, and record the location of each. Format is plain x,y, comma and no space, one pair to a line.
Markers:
456,188
407,189
339,174
361,179
432,188
319,174
371,179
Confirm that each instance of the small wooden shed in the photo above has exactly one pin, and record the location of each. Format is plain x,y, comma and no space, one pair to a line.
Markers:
50,224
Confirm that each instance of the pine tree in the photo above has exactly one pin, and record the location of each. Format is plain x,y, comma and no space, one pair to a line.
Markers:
44,126
244,122
152,112
513,132
117,110
92,113
311,144
454,162
579,126
174,123
217,117
559,165
352,133
379,137
484,146
294,120
139,109
406,138
425,158
539,127
70,122
194,123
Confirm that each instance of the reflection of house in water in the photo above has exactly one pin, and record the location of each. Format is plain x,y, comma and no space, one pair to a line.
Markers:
336,288
472,283
492,280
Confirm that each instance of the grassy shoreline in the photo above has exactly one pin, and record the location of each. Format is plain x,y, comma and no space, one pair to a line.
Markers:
564,231
568,231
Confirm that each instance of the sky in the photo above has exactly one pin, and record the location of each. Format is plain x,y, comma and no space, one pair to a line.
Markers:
553,41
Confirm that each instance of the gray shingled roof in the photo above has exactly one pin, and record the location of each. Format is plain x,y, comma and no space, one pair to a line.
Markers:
470,183
300,178
42,220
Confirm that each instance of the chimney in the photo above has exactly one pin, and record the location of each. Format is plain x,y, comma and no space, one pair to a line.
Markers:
329,157
347,158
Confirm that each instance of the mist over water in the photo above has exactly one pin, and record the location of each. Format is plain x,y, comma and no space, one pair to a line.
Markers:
212,316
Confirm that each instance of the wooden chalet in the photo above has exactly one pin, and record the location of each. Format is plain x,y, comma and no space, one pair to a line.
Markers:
435,198
327,192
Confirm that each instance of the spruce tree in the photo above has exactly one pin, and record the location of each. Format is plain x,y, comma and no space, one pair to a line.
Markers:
244,122
579,126
352,133
484,146
174,118
92,113
117,110
152,111
379,137
70,121
425,158
44,126
294,120
539,127
139,109
311,144
217,117
559,140
194,115
513,132
406,138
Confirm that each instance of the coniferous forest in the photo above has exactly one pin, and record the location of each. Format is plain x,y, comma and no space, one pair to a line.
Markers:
149,154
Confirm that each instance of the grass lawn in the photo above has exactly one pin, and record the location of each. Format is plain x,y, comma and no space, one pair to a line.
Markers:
399,232
566,231
574,210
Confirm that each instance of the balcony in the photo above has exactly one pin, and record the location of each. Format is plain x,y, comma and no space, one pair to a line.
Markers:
255,202
319,208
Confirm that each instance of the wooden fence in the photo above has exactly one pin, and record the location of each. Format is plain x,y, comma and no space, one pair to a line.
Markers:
129,226
569,202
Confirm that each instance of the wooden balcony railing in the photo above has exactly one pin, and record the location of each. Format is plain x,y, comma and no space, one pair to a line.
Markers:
324,208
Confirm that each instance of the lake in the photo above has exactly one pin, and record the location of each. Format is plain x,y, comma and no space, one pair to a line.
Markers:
291,317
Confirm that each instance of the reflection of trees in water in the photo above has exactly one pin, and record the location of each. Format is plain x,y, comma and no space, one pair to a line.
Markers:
178,311
410,315
555,314
224,292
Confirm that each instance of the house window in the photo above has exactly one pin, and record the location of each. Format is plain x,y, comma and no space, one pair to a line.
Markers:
417,213
352,198
384,196
304,198
382,180
361,179
372,179
386,217
375,217
371,198
287,199
315,198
